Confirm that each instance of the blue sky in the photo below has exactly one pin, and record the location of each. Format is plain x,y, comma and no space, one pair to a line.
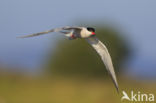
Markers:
136,18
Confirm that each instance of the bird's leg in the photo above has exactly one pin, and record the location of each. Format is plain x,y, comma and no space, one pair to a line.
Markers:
70,35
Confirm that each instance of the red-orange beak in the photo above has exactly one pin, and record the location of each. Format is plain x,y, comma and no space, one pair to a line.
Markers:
93,33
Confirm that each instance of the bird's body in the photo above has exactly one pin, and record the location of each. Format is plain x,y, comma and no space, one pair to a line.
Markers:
88,34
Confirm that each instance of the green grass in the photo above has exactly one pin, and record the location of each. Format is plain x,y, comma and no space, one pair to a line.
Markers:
66,90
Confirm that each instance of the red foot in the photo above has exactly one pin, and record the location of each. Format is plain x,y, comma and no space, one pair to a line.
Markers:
73,36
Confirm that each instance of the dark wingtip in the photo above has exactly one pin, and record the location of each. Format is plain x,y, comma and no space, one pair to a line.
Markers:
20,37
25,36
117,88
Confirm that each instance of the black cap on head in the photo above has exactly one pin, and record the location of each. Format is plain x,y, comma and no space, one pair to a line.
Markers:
91,29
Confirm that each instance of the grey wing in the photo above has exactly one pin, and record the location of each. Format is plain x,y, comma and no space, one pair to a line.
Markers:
105,56
41,33
72,27
49,31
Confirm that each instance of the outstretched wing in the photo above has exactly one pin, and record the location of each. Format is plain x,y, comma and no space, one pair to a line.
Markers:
105,56
52,30
72,27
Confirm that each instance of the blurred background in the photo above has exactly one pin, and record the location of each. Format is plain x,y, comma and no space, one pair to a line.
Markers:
52,69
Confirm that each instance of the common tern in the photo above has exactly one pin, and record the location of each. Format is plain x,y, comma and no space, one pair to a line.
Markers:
87,33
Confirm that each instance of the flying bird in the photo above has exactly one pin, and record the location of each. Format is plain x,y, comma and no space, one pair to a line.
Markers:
87,33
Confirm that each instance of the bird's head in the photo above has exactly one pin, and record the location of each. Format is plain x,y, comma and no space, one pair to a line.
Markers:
91,31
